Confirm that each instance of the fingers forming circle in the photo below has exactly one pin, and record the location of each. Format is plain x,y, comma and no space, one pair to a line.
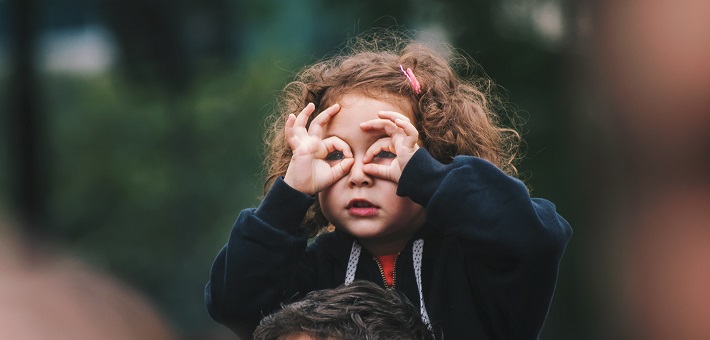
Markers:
383,144
334,143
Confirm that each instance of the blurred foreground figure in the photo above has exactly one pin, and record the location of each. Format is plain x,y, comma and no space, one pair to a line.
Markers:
46,296
361,310
654,64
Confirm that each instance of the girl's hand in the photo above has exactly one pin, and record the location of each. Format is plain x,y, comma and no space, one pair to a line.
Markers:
317,163
388,156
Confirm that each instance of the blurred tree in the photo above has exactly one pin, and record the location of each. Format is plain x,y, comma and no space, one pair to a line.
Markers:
26,129
165,41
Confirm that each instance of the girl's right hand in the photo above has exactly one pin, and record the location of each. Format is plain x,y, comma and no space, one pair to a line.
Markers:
316,163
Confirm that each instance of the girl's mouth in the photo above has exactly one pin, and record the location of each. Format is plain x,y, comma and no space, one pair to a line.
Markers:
362,208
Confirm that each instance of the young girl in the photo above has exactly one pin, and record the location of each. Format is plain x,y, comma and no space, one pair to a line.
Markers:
399,167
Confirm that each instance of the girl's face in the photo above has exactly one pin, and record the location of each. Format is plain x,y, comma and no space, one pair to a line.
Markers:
365,206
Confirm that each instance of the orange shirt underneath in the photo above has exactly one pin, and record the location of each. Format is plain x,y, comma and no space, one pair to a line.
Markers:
387,263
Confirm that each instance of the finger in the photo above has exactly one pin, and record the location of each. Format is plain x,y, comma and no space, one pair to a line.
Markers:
380,171
334,143
380,145
322,119
302,117
407,126
392,115
290,121
401,121
341,168
388,126
289,130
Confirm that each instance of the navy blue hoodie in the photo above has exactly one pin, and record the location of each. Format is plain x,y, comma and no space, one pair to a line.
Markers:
490,260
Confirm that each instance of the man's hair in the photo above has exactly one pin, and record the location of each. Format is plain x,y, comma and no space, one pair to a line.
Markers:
360,310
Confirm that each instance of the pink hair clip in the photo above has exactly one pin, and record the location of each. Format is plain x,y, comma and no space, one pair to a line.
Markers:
412,79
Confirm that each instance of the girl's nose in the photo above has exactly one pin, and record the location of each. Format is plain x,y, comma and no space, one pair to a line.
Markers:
357,176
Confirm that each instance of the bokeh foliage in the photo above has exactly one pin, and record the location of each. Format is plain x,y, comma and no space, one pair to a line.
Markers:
146,183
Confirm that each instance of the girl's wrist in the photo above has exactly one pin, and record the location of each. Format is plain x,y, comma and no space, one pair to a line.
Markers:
294,184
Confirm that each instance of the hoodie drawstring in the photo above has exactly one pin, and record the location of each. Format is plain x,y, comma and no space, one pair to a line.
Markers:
352,263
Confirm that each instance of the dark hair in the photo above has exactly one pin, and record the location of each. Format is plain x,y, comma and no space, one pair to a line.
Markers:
360,310
454,114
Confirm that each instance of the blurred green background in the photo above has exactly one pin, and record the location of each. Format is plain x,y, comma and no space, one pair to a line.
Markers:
131,129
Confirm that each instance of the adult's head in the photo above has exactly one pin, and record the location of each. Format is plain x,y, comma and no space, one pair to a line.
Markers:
360,310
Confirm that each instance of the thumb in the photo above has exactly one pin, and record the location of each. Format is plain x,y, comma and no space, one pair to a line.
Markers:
343,167
381,171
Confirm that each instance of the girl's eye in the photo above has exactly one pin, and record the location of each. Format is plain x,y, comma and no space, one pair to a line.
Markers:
385,154
335,156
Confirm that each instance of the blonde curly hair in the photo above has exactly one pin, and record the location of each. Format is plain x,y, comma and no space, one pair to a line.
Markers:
455,115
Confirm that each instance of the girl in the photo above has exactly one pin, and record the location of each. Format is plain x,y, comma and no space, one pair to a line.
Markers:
406,179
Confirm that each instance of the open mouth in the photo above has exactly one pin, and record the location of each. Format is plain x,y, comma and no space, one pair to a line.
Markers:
362,207
360,203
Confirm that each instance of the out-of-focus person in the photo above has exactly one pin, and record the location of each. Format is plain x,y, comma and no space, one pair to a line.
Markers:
652,64
47,295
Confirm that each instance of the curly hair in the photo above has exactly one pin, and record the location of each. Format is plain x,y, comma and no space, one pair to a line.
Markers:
360,310
454,113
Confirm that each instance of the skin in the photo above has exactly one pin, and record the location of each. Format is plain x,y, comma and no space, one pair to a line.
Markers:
352,156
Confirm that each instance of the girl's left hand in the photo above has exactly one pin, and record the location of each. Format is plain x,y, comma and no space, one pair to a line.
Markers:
401,144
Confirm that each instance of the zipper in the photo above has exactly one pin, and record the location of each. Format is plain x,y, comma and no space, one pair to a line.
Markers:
382,272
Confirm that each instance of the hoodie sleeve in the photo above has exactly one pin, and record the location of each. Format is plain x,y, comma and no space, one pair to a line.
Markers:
265,251
512,243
